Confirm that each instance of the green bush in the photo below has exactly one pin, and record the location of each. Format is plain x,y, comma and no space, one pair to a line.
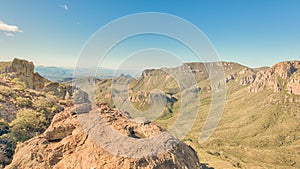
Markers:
2,99
4,155
42,102
7,149
47,107
19,84
27,124
3,128
23,102
5,91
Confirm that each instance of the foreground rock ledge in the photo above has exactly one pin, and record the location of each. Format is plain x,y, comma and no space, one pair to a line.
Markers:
65,144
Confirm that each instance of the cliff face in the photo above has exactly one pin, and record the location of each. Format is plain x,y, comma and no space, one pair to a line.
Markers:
24,70
283,76
65,144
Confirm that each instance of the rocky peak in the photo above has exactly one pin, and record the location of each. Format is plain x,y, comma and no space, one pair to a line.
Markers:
66,144
24,70
283,76
152,72
285,69
293,85
22,67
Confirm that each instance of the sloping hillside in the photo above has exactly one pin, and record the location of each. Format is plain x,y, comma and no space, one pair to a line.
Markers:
260,127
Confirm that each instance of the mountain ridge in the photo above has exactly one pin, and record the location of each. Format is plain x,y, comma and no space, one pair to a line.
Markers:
260,125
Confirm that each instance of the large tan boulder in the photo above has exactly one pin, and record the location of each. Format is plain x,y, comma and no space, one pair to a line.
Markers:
68,144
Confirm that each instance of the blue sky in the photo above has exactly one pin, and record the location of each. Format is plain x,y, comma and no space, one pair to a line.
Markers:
251,32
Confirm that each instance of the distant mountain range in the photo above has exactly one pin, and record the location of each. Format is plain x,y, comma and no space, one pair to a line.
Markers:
54,73
259,128
60,74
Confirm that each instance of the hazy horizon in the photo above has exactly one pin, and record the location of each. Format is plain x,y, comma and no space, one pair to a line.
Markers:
252,33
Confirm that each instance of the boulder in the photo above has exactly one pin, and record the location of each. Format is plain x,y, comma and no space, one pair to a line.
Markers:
66,144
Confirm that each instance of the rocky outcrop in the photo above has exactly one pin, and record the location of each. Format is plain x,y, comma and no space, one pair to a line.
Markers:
263,80
59,90
247,76
285,69
24,70
229,78
246,80
67,144
293,85
283,76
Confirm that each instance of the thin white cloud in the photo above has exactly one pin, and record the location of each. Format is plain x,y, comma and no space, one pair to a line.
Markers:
65,7
8,34
9,28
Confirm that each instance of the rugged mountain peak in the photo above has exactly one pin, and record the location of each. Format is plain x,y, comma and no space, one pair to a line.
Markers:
24,70
283,76
285,69
65,144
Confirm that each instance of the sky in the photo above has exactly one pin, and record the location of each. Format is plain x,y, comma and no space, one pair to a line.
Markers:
52,33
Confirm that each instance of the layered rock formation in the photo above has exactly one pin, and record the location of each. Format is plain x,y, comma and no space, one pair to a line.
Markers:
66,144
282,76
293,85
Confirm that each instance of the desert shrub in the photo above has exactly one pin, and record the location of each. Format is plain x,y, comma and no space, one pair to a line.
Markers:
42,102
27,124
2,98
4,128
23,102
56,109
47,107
67,102
4,155
5,91
19,84
7,148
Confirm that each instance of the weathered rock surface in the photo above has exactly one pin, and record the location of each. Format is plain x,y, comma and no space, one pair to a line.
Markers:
24,70
59,90
293,85
283,76
66,144
285,69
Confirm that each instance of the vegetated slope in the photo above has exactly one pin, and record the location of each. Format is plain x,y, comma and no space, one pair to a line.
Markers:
28,103
260,127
